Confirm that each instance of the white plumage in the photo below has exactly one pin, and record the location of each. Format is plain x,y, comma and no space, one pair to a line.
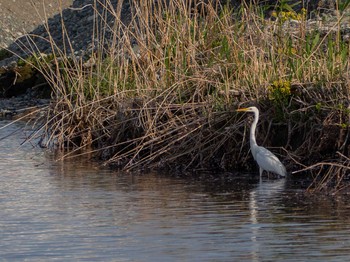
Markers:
265,158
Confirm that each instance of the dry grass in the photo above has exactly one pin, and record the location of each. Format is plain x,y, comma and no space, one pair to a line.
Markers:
161,90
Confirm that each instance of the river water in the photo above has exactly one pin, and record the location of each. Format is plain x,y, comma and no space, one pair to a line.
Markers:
78,211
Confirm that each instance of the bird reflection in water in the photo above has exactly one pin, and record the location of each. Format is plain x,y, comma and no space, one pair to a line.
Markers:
264,197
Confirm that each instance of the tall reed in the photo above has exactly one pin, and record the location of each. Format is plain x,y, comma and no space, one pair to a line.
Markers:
160,88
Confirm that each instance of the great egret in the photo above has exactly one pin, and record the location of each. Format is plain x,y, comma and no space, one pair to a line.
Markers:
266,160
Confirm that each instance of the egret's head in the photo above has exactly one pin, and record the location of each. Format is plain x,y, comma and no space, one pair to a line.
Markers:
248,109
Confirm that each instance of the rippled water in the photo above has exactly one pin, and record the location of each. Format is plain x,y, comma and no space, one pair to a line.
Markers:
75,211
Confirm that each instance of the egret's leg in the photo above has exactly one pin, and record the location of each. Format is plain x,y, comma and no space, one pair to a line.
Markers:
261,171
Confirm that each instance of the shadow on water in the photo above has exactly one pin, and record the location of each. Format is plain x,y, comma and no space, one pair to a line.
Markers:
76,210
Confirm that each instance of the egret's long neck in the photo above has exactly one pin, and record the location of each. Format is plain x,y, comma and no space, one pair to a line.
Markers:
252,130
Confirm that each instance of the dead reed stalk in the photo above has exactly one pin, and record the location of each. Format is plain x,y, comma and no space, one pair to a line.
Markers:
159,90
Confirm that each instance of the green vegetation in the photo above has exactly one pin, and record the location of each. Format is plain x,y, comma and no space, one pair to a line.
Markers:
163,93
4,54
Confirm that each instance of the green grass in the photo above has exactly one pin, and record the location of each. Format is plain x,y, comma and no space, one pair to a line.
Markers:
163,93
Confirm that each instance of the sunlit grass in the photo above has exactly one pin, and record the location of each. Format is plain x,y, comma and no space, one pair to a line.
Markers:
160,91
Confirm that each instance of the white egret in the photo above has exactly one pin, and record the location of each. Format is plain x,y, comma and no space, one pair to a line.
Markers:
266,160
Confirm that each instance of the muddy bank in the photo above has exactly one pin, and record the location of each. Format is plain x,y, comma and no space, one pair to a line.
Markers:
18,17
21,92
23,86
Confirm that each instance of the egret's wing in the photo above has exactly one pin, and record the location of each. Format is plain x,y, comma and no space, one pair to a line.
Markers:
269,162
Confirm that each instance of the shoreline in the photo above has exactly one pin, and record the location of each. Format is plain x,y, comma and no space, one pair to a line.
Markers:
144,99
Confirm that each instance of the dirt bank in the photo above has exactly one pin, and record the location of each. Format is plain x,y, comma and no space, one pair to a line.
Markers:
20,16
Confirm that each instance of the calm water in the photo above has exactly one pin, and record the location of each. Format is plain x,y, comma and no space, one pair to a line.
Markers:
76,211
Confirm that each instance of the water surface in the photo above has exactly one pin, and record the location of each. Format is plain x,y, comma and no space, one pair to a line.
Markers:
76,210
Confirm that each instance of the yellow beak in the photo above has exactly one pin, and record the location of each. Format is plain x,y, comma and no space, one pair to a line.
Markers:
242,109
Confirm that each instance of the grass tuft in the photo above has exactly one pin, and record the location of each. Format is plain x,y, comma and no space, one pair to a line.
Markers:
161,89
